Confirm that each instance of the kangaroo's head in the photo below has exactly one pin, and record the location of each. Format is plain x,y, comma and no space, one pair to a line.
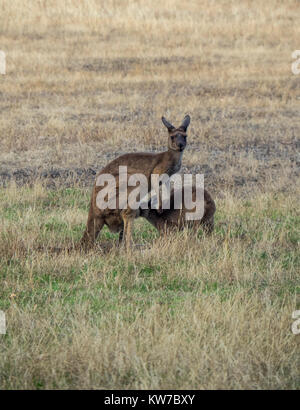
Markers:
177,136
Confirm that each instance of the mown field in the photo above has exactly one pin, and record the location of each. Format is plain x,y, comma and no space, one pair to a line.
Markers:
87,81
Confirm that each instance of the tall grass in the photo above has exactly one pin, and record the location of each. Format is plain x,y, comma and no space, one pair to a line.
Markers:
179,312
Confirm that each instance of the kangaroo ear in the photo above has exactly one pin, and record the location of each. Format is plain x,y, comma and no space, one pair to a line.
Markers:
185,122
167,124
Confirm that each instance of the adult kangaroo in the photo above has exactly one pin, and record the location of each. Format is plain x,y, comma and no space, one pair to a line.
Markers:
121,220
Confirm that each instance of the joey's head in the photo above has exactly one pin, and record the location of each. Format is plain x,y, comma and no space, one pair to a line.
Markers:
177,136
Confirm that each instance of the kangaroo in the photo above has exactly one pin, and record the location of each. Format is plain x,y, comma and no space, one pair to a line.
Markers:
174,219
121,220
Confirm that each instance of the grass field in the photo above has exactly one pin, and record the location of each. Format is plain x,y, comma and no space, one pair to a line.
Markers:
87,81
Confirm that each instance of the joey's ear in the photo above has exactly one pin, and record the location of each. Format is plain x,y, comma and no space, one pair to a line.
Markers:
167,124
185,122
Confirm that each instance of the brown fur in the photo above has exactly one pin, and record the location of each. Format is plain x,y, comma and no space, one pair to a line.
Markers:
117,220
174,219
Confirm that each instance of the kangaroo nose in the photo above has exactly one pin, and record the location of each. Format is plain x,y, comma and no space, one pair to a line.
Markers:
181,146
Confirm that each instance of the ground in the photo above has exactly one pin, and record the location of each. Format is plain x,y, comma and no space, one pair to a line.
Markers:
85,83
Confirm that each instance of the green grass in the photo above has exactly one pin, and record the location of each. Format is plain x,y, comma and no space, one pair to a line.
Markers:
249,266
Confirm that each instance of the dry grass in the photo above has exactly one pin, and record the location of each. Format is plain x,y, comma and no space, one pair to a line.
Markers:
179,312
88,80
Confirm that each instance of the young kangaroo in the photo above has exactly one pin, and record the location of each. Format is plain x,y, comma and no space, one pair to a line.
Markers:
119,220
174,219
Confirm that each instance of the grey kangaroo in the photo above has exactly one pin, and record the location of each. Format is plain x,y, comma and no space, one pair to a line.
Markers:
119,220
174,219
